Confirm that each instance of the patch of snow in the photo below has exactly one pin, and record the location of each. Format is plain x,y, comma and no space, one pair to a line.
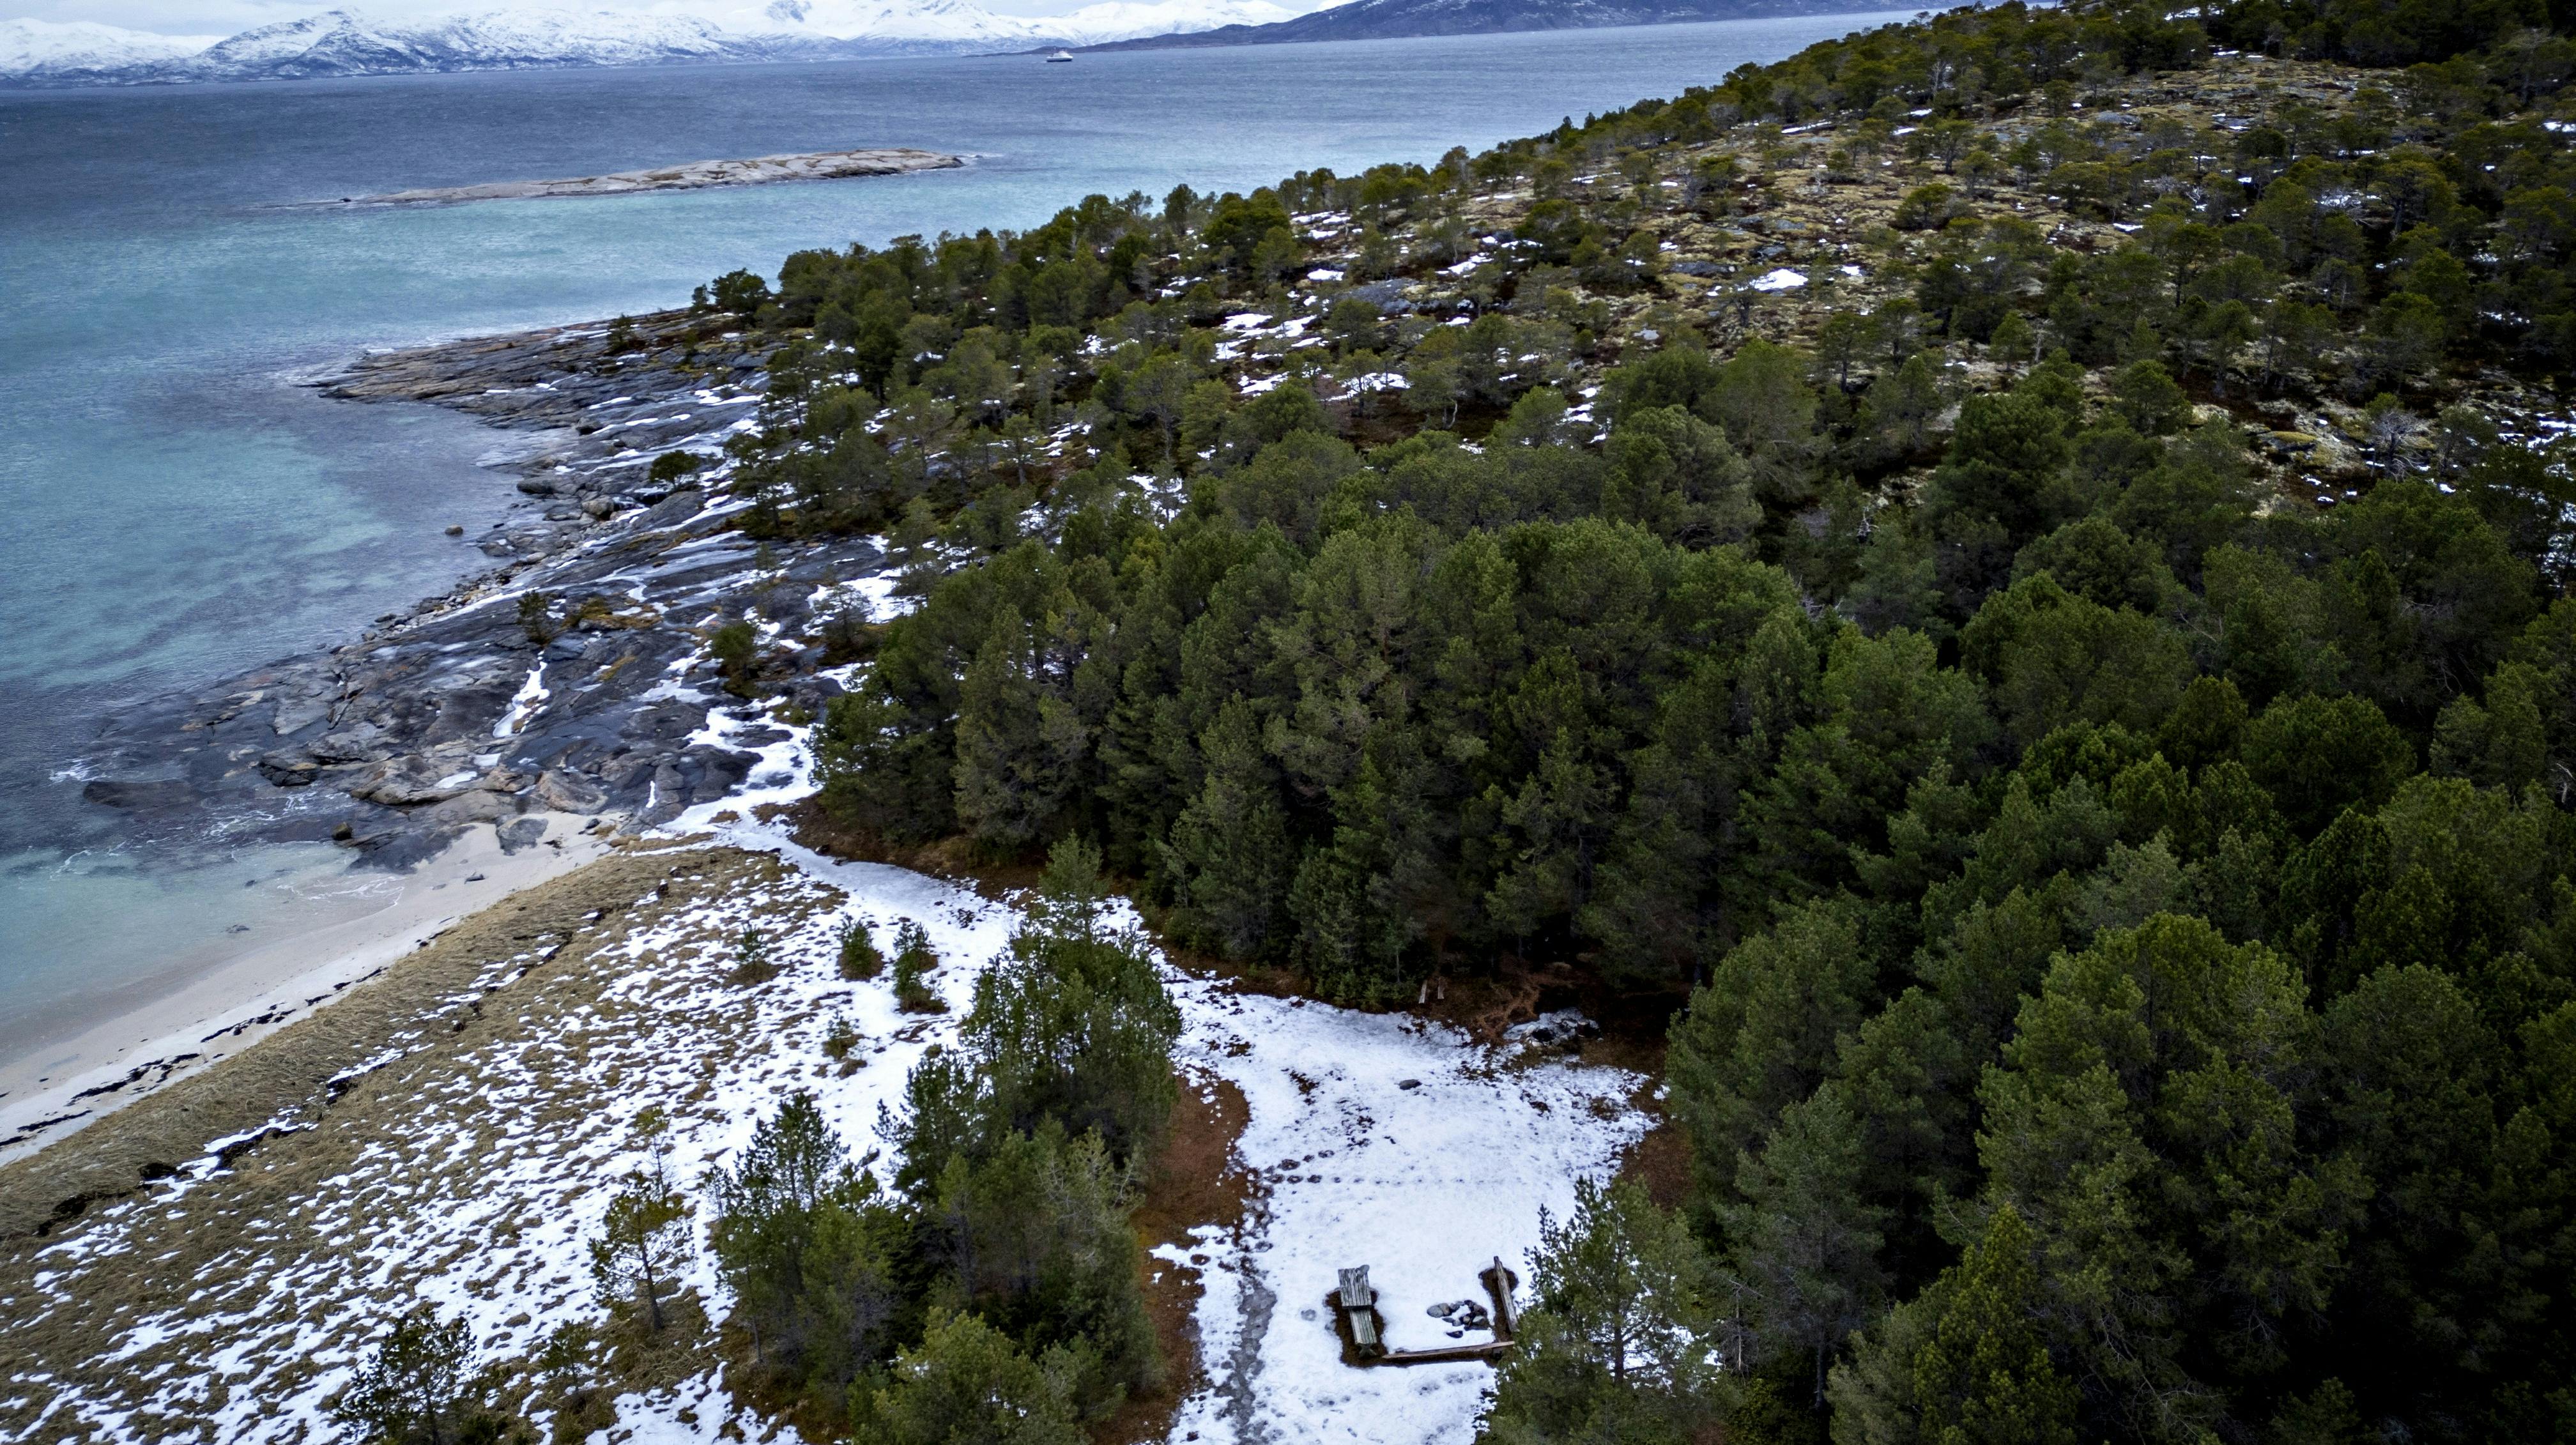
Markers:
873,596
695,1412
531,695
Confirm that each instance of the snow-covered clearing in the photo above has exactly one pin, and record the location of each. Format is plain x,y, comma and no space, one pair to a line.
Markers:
1424,1184
229,1303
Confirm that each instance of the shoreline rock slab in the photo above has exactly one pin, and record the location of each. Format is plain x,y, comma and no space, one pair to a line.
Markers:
452,715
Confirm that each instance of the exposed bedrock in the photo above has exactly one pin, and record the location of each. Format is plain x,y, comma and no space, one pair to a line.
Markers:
455,714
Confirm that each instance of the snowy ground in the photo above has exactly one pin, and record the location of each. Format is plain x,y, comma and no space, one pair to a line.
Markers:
1425,1185
479,1171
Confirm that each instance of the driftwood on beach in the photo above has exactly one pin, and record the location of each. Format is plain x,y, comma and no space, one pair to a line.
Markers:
687,176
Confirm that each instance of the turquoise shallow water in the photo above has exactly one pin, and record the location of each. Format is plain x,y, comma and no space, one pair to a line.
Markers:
177,508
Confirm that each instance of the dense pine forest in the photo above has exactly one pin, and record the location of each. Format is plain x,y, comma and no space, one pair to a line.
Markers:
2008,572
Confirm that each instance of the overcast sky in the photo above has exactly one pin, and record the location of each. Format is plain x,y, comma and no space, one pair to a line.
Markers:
230,17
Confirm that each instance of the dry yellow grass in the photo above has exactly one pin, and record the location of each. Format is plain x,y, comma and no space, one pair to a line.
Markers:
506,1055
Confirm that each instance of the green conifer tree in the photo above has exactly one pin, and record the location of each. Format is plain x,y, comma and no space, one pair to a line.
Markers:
1619,1340
645,1238
1985,1376
412,1387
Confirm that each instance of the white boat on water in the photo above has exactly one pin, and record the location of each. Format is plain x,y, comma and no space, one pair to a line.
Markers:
1060,57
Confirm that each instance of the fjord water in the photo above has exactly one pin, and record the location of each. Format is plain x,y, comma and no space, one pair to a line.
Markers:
179,508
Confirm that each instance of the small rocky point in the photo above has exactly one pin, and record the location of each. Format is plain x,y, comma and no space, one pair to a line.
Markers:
452,714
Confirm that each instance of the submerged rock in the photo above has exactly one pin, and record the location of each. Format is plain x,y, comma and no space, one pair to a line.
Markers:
112,793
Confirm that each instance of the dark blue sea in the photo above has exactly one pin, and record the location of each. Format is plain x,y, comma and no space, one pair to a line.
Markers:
177,508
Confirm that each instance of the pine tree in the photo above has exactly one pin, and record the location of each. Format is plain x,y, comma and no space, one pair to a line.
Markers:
967,1384
1072,899
1618,1342
1985,1376
2501,743
858,955
1033,1237
1228,854
1351,932
1554,827
1017,742
645,1238
1075,1025
1761,1035
913,964
770,1207
412,1387
1804,1239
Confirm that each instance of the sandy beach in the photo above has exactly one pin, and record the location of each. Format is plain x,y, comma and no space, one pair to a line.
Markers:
184,1021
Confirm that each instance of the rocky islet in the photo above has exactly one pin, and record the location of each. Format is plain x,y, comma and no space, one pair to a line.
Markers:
687,176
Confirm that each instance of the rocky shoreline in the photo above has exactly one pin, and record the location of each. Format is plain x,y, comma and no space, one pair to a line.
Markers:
454,714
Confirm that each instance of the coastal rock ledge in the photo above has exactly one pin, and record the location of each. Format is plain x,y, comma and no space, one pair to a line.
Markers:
688,176
468,711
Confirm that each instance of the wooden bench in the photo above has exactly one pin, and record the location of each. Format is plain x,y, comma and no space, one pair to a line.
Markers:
1358,1304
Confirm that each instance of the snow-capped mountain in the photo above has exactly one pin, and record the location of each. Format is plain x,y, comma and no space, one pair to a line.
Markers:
80,50
899,26
1127,19
344,42
1390,19
950,26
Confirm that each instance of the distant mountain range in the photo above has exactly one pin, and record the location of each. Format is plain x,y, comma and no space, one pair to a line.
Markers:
80,53
342,42
1394,19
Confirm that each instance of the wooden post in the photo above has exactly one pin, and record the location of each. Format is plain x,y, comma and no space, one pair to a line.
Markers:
1499,1282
